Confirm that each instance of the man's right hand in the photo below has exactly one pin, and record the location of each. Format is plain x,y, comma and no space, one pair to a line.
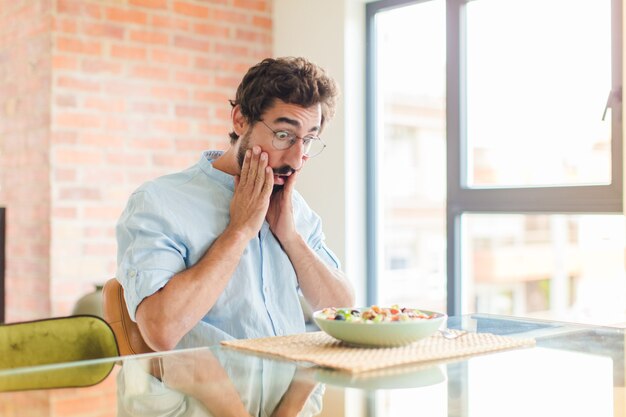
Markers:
253,188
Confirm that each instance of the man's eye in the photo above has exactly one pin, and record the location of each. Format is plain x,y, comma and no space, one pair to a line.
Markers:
281,135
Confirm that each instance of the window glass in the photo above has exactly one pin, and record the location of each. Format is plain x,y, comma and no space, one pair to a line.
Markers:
538,79
411,145
556,266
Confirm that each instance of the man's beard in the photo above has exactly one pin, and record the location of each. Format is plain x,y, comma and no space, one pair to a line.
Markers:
241,155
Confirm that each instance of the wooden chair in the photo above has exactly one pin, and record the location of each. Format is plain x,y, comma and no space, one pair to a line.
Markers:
129,338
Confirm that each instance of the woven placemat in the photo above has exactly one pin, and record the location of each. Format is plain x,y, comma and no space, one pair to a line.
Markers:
324,350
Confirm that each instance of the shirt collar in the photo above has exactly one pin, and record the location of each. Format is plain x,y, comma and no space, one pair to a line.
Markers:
206,164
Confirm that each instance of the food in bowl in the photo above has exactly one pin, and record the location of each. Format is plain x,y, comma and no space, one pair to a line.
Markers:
375,314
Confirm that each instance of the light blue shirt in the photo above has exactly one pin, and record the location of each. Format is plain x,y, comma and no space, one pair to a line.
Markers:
168,225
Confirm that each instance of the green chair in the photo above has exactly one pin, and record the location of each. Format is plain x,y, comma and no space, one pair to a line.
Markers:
28,348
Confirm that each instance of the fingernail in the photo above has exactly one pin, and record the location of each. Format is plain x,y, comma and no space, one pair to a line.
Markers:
248,152
264,156
256,150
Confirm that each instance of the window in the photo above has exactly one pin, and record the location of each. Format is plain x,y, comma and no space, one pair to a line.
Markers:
495,156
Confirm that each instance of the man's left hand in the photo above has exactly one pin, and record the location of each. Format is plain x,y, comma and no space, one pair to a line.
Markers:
280,212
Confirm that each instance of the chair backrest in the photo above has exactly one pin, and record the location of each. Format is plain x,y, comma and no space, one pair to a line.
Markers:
55,341
129,339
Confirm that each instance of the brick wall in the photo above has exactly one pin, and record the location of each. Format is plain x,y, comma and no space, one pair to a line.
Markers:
124,91
25,75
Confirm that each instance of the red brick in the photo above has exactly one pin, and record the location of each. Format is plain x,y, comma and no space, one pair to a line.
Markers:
192,10
64,62
106,30
127,89
206,63
229,82
191,145
222,113
171,126
168,22
77,120
65,25
151,108
153,4
65,100
211,97
79,8
147,72
65,174
154,144
169,57
126,159
64,213
252,36
100,140
65,44
258,5
228,49
193,78
100,66
117,124
262,22
79,193
195,44
76,157
110,105
228,15
128,52
99,248
112,175
192,111
144,36
215,129
101,212
126,16
61,137
173,162
169,93
212,30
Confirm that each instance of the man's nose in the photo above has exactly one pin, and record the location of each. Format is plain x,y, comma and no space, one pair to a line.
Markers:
294,156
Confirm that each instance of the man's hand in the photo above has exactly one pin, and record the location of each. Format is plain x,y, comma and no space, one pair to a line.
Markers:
253,188
280,212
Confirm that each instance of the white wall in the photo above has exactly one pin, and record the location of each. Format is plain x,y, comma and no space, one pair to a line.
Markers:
331,33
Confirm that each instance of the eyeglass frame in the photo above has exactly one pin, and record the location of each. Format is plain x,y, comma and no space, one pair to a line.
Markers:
292,140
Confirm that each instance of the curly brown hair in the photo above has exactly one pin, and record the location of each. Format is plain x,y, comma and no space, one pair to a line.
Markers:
293,80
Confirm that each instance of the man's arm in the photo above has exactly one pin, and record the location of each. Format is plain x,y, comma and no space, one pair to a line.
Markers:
321,285
167,315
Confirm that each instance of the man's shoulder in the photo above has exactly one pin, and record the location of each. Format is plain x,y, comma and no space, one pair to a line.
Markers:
168,182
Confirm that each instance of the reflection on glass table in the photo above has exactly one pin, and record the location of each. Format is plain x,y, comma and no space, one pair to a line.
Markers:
574,370
203,382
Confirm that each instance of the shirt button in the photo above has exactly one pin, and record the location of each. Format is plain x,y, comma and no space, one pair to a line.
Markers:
266,289
132,273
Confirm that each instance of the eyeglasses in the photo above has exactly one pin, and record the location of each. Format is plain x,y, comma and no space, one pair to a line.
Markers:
284,139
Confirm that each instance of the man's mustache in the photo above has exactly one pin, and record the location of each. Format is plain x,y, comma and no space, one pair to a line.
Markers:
284,170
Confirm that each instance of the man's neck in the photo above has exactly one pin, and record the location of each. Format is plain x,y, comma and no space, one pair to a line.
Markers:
228,162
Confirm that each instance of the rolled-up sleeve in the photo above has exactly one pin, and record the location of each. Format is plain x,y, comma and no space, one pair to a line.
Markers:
149,252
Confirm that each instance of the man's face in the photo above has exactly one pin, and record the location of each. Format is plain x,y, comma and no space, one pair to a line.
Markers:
284,117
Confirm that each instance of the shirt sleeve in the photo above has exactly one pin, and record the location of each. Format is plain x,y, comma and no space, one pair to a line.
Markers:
149,251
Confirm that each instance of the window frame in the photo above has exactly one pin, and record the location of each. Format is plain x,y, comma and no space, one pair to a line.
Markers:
460,199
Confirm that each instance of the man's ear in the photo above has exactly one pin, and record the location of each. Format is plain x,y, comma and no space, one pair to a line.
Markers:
240,124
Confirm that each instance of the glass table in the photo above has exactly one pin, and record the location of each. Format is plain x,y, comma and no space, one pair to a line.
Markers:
574,370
